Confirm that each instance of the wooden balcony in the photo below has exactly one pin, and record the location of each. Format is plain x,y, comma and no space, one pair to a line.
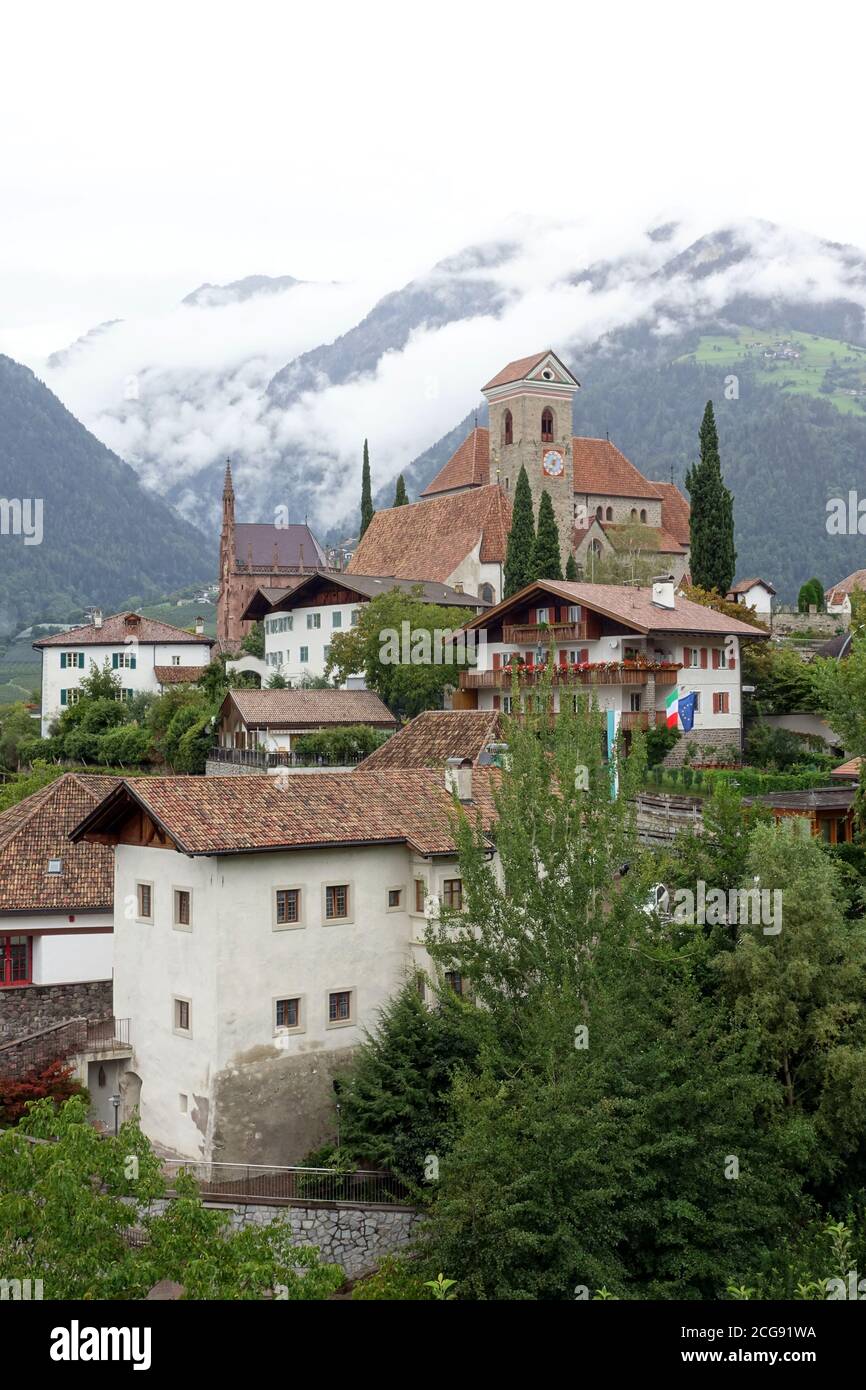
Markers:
542,634
568,675
643,719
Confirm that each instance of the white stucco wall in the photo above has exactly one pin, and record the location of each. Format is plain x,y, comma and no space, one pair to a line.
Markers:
65,952
300,650
143,678
759,599
234,963
472,573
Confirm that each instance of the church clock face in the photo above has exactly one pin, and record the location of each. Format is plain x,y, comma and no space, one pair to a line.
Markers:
552,463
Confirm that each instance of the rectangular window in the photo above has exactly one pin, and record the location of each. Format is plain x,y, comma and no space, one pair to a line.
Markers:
421,986
288,906
288,1013
304,655
123,661
340,1006
452,893
574,613
70,697
542,615
635,699
182,1016
16,957
721,702
723,659
337,900
506,704
314,620
144,892
454,980
336,618
326,652
175,661
72,660
395,897
356,616
182,907
420,894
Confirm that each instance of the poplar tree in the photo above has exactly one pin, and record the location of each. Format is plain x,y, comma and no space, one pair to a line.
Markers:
713,556
571,569
400,496
546,557
521,539
367,512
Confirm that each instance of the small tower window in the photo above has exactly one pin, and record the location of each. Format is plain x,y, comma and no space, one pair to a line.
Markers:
643,515
634,513
599,513
507,428
609,514
547,425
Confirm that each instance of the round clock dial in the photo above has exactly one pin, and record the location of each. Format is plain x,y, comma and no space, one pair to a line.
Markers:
552,463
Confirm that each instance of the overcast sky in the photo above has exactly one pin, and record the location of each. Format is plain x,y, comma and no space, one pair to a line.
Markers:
148,148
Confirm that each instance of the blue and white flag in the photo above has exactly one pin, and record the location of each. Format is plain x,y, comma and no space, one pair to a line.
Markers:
687,709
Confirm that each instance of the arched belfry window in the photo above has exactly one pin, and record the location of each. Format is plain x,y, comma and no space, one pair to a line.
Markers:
609,514
598,513
634,513
547,425
507,428
643,515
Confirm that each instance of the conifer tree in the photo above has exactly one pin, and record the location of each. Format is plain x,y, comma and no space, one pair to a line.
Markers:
713,556
571,569
400,496
521,539
546,556
367,512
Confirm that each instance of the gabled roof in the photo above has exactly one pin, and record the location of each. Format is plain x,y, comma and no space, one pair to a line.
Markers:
244,815
521,368
675,513
267,545
431,538
849,771
468,467
632,607
364,586
434,736
857,580
36,830
292,709
601,469
745,585
120,629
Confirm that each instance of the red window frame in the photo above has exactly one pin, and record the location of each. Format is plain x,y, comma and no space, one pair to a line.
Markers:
9,962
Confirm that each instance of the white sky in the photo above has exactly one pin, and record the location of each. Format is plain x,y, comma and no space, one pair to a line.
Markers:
147,148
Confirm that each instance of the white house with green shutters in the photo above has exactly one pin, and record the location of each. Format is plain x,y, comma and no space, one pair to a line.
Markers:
146,654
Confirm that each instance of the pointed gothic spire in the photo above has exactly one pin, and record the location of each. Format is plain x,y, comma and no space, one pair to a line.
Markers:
228,486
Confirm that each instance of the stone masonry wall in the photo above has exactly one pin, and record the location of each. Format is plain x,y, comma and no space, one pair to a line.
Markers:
28,1008
719,743
354,1237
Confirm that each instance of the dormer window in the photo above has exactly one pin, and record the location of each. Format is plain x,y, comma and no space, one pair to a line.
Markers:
507,428
547,425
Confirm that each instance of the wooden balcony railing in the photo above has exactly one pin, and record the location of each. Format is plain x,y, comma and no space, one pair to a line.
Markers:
568,675
541,634
643,719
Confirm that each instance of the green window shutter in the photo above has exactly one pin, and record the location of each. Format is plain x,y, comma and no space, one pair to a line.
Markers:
114,660
81,660
63,697
132,662
63,661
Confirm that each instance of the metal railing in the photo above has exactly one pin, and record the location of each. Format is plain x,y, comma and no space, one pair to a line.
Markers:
23,1056
262,759
241,1182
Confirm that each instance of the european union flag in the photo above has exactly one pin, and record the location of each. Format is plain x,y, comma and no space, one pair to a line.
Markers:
687,709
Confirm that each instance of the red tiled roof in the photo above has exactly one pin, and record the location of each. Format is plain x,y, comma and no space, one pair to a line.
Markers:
847,771
289,709
675,513
236,815
746,584
177,675
857,580
36,830
468,467
516,371
434,736
430,539
600,468
631,606
121,628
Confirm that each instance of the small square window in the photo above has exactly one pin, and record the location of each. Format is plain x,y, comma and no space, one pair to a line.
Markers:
287,1013
55,866
144,892
182,1016
182,907
395,898
314,620
288,907
340,1007
337,900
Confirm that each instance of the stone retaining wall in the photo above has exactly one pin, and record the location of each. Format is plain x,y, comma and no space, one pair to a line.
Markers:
28,1009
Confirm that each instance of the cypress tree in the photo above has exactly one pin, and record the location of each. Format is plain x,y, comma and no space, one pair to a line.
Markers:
400,497
367,512
571,569
546,557
521,539
713,557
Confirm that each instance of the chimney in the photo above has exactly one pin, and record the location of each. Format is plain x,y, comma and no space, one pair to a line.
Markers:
199,626
458,778
97,617
663,591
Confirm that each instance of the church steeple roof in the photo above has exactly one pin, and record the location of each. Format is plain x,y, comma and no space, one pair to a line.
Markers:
228,485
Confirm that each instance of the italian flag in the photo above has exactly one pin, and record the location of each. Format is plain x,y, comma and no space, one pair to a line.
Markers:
672,708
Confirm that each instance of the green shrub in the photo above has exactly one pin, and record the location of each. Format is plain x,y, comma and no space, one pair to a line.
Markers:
127,745
397,1280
